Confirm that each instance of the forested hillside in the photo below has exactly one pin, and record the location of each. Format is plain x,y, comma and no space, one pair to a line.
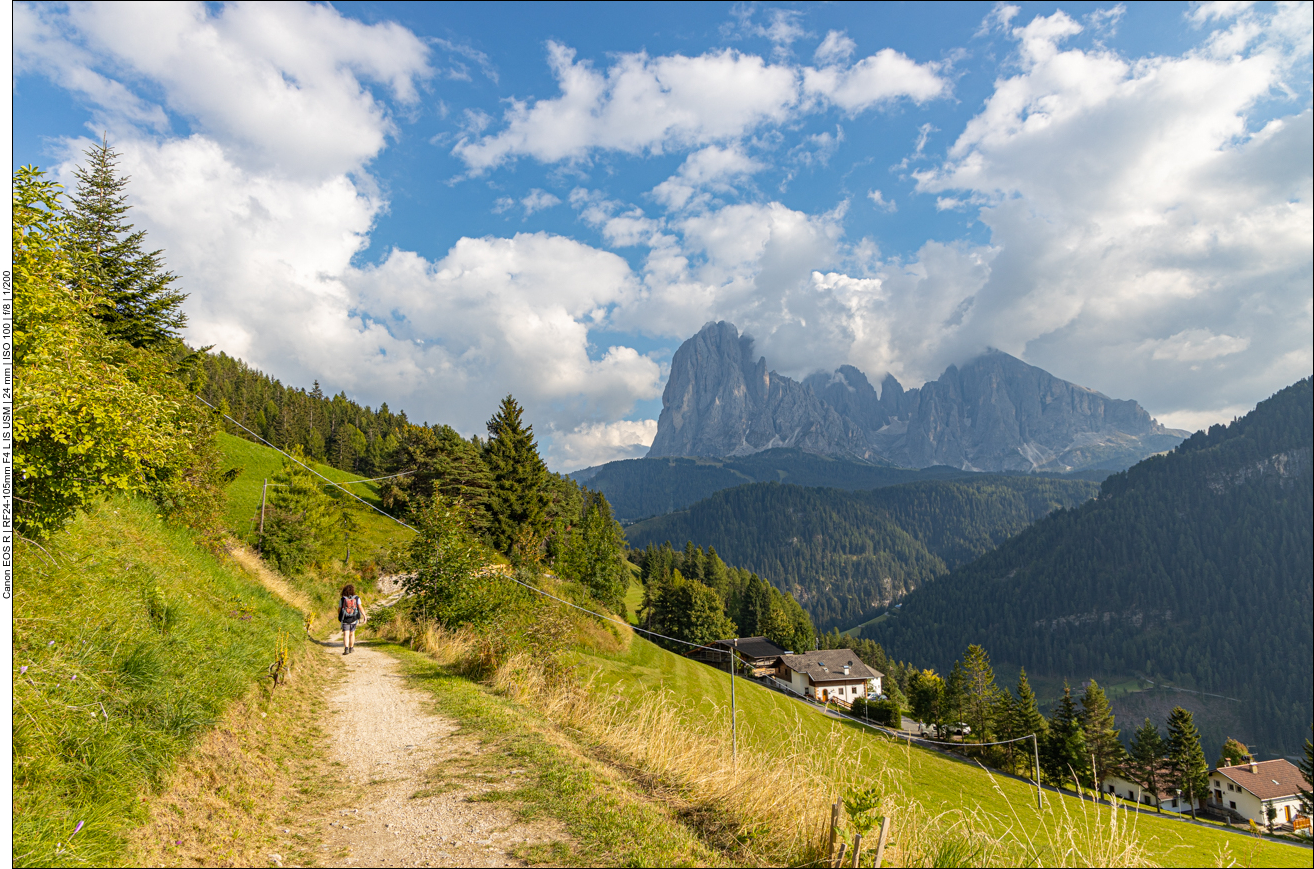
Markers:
641,488
844,555
335,430
1194,567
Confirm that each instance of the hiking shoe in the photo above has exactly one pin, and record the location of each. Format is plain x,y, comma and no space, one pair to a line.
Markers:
345,650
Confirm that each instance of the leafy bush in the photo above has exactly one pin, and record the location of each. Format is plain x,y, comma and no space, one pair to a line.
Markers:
91,415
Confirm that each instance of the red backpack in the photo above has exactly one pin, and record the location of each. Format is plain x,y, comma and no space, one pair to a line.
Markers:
348,610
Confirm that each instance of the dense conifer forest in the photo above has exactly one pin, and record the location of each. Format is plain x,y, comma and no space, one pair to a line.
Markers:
846,555
1192,568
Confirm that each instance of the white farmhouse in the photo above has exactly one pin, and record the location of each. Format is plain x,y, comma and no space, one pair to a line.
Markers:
1167,799
832,674
1250,789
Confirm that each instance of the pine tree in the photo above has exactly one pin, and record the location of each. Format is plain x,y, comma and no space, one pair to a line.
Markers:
140,303
1101,737
1185,757
518,499
1145,760
1063,753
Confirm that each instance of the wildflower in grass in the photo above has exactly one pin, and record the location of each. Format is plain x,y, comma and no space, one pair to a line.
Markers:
76,829
75,678
22,669
51,643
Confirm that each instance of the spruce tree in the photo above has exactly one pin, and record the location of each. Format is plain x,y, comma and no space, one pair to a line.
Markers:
1101,737
979,690
517,499
140,304
1063,753
1026,714
1185,757
1145,760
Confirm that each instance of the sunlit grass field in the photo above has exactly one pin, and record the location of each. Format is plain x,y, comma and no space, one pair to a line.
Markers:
940,783
375,535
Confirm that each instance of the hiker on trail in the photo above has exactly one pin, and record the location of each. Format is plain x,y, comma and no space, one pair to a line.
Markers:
350,613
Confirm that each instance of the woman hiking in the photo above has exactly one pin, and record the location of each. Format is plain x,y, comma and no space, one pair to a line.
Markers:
350,613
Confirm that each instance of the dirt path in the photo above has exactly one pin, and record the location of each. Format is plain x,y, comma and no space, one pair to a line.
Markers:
408,779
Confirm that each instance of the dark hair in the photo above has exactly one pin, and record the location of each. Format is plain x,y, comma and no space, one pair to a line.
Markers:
348,590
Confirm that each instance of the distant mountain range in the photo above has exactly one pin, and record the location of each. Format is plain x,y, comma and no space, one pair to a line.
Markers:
1192,568
995,413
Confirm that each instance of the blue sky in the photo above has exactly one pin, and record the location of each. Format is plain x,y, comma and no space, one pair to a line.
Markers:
434,205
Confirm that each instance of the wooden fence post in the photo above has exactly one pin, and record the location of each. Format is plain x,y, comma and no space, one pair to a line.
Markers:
857,848
885,837
834,831
839,858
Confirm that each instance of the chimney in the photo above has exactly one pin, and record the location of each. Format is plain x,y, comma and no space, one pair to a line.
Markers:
1254,767
1227,761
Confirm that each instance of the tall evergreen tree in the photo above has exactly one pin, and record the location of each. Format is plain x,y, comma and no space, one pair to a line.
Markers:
1145,760
1026,715
1101,737
518,498
140,303
1063,753
980,691
1185,757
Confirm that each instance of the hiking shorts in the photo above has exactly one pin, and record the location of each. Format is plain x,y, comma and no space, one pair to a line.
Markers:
349,626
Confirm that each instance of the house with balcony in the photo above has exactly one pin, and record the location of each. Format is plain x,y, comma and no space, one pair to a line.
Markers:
830,674
1249,790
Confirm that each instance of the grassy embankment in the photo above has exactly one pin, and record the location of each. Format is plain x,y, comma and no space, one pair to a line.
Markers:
130,641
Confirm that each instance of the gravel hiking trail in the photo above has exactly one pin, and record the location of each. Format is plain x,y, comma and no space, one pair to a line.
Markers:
411,784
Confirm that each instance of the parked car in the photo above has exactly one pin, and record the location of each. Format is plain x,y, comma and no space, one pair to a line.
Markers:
872,697
959,729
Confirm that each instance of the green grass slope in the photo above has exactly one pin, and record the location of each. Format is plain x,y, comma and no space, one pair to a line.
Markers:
129,641
375,534
939,782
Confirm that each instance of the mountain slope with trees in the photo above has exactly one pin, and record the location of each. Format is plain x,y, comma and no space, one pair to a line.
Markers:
1191,568
844,555
642,488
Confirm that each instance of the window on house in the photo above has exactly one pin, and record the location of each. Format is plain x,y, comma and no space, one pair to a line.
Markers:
1231,804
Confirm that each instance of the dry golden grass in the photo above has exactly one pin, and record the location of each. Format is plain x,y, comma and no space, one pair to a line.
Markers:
260,771
249,561
764,807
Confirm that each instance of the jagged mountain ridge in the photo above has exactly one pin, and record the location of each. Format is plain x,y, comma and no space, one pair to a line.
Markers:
995,413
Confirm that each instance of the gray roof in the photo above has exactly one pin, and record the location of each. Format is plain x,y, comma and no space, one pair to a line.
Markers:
753,647
828,665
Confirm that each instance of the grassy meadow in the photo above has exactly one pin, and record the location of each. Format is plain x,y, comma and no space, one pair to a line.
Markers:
999,811
374,536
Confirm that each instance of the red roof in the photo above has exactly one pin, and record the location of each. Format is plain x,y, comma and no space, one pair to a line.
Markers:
1270,780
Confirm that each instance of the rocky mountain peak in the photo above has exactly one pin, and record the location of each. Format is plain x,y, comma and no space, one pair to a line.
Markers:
993,413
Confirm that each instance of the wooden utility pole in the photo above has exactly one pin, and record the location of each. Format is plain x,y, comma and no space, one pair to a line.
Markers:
263,489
